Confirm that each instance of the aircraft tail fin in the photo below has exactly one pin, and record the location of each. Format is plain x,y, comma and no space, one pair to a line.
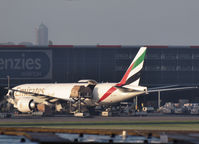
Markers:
132,75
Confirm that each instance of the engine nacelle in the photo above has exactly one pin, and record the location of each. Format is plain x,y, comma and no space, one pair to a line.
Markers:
25,104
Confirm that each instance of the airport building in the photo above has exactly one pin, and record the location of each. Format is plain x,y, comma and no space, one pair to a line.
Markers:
164,65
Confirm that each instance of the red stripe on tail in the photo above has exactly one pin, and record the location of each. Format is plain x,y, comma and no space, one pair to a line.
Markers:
123,81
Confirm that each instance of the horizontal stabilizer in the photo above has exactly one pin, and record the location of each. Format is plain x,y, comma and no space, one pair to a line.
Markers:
170,89
137,88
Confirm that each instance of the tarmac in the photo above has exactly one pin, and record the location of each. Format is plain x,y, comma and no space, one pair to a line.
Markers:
69,118
64,129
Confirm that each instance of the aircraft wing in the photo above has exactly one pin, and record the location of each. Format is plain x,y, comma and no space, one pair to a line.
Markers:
47,98
170,88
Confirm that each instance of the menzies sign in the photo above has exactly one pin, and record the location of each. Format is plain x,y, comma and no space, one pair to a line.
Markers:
26,64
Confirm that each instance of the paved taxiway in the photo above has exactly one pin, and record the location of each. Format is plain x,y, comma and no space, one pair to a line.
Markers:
63,118
168,122
176,127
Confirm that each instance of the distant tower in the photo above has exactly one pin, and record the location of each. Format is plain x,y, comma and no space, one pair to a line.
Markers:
42,35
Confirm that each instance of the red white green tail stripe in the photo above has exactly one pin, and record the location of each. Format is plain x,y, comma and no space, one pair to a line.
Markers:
132,75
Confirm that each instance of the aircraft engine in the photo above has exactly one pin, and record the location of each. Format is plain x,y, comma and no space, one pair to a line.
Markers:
25,104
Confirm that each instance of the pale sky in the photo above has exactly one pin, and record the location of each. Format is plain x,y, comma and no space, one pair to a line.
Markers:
91,22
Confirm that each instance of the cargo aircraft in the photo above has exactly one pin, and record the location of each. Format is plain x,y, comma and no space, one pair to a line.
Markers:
26,97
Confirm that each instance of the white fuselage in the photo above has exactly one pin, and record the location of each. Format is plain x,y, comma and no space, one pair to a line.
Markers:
116,95
103,93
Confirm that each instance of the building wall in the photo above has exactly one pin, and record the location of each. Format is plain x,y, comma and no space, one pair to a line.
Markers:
171,65
164,65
